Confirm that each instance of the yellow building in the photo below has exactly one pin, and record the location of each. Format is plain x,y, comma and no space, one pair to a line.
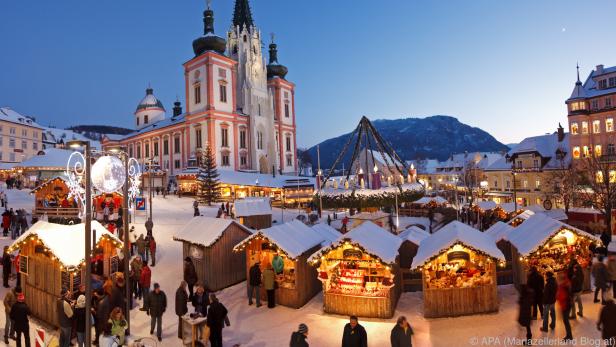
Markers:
20,136
534,164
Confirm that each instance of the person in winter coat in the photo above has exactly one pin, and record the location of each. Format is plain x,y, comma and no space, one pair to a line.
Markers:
563,296
117,297
549,300
600,274
402,333
145,280
141,246
10,298
107,339
156,305
254,283
135,276
6,222
269,280
190,276
577,285
611,270
80,320
6,267
19,314
196,209
607,321
354,335
201,300
181,305
153,250
278,264
118,324
535,283
101,315
65,317
298,338
525,302
216,318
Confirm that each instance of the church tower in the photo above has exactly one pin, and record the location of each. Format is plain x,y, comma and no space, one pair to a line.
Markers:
253,97
150,110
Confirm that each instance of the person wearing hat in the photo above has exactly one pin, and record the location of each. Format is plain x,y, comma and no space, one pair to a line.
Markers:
216,318
155,306
298,338
254,283
65,317
9,326
80,320
190,276
19,314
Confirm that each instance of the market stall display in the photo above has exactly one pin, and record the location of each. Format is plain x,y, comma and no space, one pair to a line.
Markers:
286,248
458,265
549,245
209,243
360,272
48,263
113,201
51,199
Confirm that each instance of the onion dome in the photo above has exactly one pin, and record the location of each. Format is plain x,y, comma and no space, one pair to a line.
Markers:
274,69
149,101
209,41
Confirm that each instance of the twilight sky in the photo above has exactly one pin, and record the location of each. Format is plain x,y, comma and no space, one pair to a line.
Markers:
504,67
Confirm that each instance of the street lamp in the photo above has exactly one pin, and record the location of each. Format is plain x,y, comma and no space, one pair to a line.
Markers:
515,196
149,224
76,144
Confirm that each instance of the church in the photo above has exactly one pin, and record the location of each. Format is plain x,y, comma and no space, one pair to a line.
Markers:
237,103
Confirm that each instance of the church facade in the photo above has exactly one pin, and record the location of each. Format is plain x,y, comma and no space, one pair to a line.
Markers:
237,103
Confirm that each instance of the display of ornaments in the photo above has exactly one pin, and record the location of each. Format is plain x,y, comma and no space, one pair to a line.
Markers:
108,174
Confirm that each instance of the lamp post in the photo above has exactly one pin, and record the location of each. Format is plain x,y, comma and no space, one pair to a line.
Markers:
88,229
515,196
149,224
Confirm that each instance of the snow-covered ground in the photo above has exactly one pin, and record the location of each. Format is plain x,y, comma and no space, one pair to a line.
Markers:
260,327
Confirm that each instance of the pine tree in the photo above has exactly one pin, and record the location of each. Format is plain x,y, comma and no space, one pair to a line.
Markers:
208,178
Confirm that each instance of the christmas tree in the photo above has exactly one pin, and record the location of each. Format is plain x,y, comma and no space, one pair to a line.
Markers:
208,178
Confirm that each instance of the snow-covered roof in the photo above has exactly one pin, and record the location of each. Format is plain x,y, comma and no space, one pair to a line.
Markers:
372,238
205,231
499,231
7,114
589,89
537,230
167,122
294,238
524,215
369,215
486,205
51,158
414,234
556,213
428,199
509,207
328,233
252,207
66,242
7,166
263,180
330,191
545,145
57,177
55,135
451,234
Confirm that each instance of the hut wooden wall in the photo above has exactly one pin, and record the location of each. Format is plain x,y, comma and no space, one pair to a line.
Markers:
220,267
258,222
452,302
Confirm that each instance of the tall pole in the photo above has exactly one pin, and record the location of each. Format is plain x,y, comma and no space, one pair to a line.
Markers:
515,196
150,179
88,244
126,240
320,182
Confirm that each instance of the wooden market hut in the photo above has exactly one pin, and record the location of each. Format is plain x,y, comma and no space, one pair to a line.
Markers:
51,257
500,232
209,243
427,201
51,199
549,244
360,273
458,265
294,242
255,213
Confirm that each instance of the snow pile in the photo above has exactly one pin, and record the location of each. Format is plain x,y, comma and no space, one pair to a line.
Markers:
428,199
252,207
499,230
372,238
449,235
294,238
205,231
56,236
537,230
328,233
414,234
367,216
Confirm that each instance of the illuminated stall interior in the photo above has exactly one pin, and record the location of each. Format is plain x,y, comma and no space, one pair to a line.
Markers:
113,200
51,199
360,273
549,245
458,265
48,263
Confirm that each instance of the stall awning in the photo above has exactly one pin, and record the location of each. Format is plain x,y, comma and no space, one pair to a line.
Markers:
537,230
451,234
205,231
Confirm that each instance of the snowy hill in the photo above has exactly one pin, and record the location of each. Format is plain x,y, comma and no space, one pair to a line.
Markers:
418,138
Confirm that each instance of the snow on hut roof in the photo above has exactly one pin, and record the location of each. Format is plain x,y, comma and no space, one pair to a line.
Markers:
369,215
486,205
556,213
499,231
414,234
50,158
537,230
524,215
66,242
51,180
427,199
7,166
263,180
205,231
451,234
508,207
252,207
372,238
328,233
294,238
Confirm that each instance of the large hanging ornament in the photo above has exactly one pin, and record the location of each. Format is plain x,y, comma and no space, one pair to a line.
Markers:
108,174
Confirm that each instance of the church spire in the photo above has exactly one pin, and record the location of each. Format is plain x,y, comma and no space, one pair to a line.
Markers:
242,15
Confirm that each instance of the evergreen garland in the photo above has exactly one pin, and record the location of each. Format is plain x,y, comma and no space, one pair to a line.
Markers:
362,201
207,178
